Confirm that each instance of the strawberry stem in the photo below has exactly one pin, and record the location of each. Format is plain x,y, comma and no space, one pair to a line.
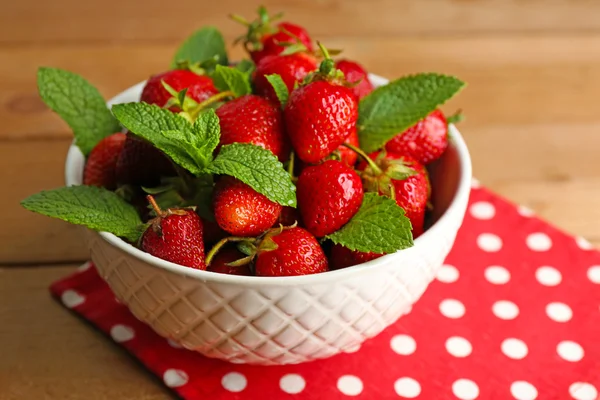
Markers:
240,19
211,100
365,157
324,51
215,249
241,261
154,205
291,165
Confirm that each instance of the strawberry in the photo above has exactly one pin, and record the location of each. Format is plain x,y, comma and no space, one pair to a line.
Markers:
403,178
142,164
101,164
226,256
425,141
253,119
329,194
354,72
342,257
289,251
199,87
242,211
292,68
319,117
348,156
175,235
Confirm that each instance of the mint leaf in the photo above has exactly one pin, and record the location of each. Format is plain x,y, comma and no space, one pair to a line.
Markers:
190,146
393,108
232,79
97,208
379,226
204,44
246,66
280,88
258,168
79,104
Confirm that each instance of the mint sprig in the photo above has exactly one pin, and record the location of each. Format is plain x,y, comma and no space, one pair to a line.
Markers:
230,79
190,146
202,45
258,168
280,88
79,104
379,226
97,208
393,108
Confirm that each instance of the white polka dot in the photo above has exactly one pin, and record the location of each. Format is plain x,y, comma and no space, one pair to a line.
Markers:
489,242
522,390
583,391
583,243
569,351
174,378
593,274
234,382
514,348
482,210
174,344
505,309
465,389
548,276
71,298
452,308
497,275
539,241
458,346
475,184
350,385
235,360
559,312
407,388
352,349
121,333
292,383
525,211
403,345
447,274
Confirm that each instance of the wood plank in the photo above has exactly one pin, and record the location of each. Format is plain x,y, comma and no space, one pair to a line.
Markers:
112,20
512,81
47,353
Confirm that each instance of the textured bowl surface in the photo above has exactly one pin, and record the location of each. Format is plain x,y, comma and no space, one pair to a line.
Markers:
272,321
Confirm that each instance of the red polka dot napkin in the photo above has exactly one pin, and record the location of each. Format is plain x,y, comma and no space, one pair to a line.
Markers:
513,314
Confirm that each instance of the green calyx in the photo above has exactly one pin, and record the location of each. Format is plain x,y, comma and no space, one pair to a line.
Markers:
257,29
327,71
380,180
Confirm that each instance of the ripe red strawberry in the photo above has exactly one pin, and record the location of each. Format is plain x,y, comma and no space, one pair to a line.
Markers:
253,119
348,156
273,43
226,256
199,87
319,117
292,69
329,194
294,251
101,164
425,141
354,72
342,257
142,164
242,211
411,193
175,235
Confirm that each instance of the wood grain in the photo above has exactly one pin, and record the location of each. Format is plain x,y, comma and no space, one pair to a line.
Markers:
111,21
47,353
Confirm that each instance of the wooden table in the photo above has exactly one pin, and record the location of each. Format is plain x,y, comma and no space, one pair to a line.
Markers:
533,124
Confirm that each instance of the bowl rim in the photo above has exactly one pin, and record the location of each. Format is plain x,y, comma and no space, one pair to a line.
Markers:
72,177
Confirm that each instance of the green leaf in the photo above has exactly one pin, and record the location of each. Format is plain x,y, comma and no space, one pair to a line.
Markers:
190,146
393,108
202,45
232,79
246,66
258,168
97,208
280,88
79,104
379,226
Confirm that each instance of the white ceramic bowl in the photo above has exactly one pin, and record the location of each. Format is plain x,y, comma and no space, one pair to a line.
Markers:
282,320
